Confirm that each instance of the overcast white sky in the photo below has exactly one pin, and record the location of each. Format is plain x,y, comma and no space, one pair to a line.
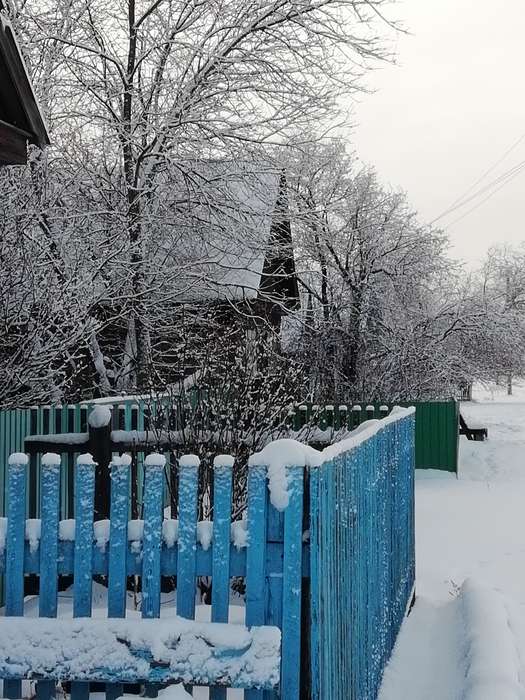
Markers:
448,111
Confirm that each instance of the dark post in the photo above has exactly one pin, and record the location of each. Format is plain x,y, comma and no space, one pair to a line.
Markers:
99,446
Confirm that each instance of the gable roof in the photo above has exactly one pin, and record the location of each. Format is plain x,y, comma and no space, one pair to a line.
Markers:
20,117
238,243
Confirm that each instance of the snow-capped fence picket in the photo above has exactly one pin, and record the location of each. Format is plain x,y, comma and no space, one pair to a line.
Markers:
326,552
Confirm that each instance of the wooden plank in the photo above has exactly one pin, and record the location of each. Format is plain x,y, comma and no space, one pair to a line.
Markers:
169,559
83,565
127,650
256,554
49,510
292,580
222,498
14,594
152,543
13,145
118,546
274,573
23,104
186,575
118,536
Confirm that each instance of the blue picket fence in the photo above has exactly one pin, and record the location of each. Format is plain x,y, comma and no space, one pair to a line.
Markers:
333,570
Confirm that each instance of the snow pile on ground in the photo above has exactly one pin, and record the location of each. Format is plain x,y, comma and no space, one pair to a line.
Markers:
460,650
467,641
492,660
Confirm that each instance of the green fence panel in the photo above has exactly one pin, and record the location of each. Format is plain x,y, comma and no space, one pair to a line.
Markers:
437,435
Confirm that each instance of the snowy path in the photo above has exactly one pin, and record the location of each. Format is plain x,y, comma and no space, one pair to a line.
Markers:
469,528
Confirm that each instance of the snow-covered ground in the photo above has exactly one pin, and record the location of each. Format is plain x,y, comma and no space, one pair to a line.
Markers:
468,641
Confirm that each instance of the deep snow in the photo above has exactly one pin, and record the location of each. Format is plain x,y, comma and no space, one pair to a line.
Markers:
472,527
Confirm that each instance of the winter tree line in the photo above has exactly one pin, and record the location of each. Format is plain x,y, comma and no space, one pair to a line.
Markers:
103,235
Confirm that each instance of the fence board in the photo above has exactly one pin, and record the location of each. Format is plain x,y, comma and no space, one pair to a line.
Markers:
83,564
362,504
222,497
152,542
186,573
14,598
292,581
48,591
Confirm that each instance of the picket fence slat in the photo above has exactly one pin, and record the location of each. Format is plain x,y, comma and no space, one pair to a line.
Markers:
222,497
186,574
118,538
118,541
14,597
83,563
49,510
292,585
152,542
256,554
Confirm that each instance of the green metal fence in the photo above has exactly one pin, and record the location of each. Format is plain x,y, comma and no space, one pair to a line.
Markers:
437,435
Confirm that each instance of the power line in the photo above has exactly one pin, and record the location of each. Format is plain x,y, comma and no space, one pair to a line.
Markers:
461,201
491,194
489,170
506,176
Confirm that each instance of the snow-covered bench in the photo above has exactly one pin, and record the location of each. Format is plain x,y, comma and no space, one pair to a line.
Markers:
146,651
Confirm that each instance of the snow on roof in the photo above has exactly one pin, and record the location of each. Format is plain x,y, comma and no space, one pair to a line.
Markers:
221,243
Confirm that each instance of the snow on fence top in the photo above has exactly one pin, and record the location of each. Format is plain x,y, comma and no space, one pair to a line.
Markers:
100,416
155,460
18,458
279,454
50,459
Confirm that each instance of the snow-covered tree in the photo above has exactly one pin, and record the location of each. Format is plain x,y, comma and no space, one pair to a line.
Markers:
139,92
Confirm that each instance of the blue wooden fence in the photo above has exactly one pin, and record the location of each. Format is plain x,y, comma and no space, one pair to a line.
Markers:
362,558
339,593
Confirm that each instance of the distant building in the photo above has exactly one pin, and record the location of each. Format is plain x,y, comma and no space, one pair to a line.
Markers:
21,121
237,247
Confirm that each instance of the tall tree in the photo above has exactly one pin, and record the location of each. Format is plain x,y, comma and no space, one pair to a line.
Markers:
137,92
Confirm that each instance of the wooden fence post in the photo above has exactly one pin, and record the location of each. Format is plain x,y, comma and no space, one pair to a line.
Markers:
99,446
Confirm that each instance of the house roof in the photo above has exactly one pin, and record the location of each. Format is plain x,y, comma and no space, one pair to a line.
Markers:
238,244
20,117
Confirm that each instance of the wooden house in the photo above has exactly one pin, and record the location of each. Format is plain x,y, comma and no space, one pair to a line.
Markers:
227,252
21,121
